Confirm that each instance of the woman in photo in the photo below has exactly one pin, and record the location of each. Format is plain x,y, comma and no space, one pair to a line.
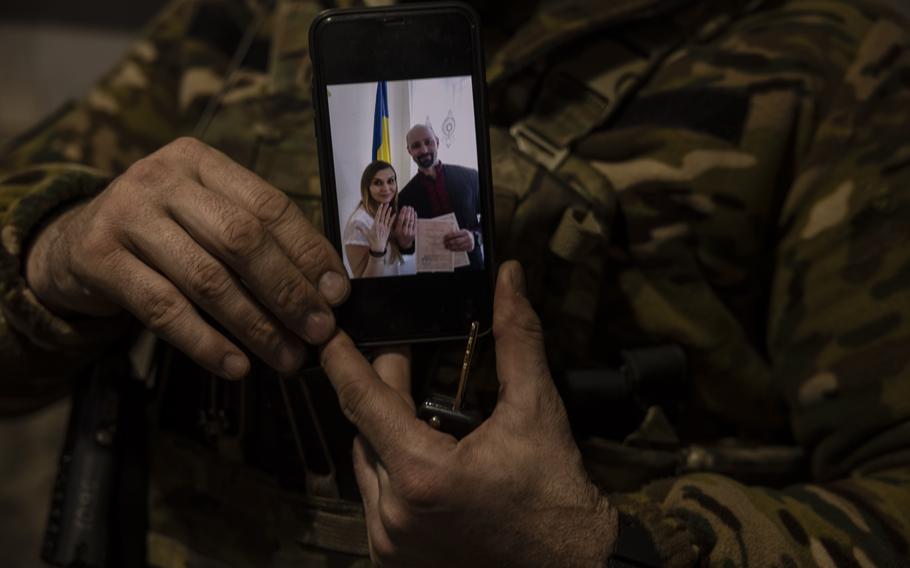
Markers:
376,230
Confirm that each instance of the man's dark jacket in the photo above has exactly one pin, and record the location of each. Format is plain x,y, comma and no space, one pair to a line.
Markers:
463,187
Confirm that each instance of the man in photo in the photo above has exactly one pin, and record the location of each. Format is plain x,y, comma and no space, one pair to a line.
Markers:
439,189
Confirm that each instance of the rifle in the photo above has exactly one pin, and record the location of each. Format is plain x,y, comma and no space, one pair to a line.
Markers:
98,505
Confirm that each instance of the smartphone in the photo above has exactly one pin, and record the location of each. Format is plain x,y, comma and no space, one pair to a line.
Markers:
399,98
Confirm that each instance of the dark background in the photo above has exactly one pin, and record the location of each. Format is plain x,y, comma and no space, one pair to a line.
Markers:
52,50
111,14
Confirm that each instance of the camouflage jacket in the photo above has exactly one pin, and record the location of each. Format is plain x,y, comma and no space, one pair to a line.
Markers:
732,177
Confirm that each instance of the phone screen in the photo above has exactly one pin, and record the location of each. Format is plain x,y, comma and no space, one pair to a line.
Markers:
406,176
405,169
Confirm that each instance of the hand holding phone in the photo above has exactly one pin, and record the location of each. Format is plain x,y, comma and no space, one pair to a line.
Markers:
184,232
506,484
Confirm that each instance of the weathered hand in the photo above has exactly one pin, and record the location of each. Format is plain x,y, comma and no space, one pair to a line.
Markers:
187,229
514,492
382,227
405,227
459,241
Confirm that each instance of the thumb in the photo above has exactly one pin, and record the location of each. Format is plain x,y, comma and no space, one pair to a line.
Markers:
521,361
393,365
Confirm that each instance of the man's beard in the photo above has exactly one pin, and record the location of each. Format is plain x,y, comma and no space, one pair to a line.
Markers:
426,160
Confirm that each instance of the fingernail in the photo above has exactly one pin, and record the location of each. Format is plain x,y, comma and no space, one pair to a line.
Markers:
290,359
235,366
318,326
332,287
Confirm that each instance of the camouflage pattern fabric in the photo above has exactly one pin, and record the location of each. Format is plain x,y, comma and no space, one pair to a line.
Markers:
732,177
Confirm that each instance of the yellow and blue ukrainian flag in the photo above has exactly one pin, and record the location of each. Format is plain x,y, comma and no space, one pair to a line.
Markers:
382,149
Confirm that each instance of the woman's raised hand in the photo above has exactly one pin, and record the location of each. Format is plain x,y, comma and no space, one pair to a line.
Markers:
405,227
382,227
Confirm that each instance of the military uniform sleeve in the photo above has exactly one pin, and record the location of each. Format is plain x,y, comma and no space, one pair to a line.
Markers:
833,339
153,95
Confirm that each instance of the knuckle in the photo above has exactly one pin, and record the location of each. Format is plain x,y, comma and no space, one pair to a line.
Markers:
93,259
95,241
243,235
147,171
292,295
269,206
352,397
208,282
309,252
141,190
186,148
263,331
99,227
164,310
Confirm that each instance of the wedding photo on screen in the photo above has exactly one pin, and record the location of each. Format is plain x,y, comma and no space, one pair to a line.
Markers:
405,161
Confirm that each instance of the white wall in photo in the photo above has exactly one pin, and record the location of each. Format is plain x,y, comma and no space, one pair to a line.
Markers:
447,104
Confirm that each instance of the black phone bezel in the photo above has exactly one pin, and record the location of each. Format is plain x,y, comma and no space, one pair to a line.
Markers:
444,41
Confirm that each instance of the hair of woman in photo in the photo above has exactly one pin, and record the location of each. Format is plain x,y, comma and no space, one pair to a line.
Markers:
370,205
